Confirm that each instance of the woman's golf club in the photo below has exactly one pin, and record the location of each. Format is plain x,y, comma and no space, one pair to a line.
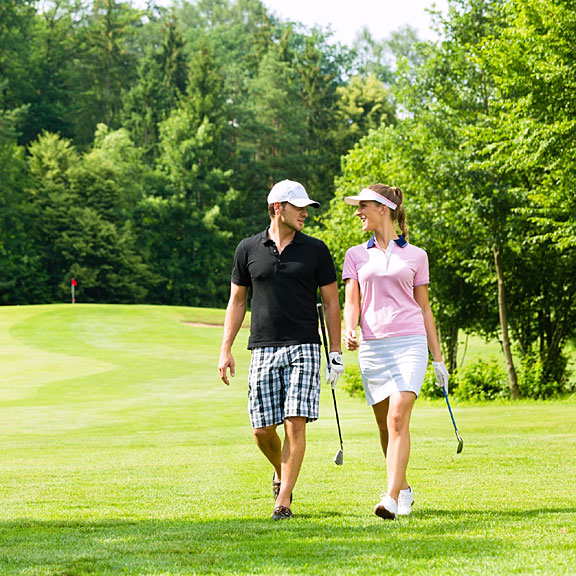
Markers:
339,458
460,441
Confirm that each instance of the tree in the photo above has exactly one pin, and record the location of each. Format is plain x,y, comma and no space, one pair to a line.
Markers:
172,59
319,68
104,66
161,83
52,46
16,20
146,105
533,68
427,155
368,162
188,229
452,94
271,133
82,210
363,105
194,146
21,275
468,171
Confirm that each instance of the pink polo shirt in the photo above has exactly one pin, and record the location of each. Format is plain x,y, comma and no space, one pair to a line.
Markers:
387,281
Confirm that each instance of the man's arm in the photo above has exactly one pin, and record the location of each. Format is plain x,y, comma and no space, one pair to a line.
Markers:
235,312
329,294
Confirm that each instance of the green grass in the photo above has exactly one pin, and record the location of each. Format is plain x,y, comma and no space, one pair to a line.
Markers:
121,452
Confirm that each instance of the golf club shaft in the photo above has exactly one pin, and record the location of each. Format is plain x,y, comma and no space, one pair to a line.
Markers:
449,409
325,341
451,415
337,419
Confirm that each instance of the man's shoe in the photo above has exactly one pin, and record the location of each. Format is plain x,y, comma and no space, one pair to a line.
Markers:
282,513
387,508
405,501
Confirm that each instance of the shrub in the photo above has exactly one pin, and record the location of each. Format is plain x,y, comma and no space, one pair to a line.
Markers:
538,383
482,380
352,381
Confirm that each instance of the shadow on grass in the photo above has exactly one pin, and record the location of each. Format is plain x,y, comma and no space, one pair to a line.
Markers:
308,544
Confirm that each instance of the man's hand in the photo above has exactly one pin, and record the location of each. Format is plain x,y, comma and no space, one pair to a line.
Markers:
334,368
226,361
442,375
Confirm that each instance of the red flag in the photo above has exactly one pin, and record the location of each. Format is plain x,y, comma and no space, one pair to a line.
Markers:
74,283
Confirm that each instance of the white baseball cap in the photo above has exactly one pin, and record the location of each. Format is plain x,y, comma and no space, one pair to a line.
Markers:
293,192
368,194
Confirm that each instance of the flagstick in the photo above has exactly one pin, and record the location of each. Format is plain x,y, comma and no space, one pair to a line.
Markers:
73,297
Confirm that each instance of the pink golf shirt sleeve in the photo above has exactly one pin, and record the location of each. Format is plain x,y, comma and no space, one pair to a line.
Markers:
349,269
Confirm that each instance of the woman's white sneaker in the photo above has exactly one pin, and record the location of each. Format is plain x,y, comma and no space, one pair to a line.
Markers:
405,501
387,508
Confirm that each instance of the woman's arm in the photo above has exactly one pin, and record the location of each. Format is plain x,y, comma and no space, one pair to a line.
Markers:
351,313
421,297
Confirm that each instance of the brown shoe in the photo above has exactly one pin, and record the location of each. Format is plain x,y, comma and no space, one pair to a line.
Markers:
282,513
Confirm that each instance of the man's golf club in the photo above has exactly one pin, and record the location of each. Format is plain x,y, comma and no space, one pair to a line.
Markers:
460,441
339,458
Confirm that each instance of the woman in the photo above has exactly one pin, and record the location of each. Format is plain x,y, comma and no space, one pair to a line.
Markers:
386,283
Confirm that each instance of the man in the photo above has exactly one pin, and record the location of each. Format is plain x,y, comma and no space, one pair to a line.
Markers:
283,269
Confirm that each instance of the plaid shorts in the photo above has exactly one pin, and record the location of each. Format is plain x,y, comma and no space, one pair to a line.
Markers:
284,381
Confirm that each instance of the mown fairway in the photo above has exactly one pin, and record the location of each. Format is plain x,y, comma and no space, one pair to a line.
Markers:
121,452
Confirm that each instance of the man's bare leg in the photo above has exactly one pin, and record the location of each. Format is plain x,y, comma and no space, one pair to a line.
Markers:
292,457
270,445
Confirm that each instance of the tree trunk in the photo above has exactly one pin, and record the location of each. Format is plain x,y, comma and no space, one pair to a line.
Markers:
512,378
448,338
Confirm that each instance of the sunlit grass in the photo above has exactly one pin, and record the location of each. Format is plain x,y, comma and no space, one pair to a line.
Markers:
123,453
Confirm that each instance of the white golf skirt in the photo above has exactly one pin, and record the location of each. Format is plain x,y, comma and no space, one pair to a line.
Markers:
391,365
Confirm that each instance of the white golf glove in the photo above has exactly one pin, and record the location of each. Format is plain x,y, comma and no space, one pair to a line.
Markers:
334,368
442,375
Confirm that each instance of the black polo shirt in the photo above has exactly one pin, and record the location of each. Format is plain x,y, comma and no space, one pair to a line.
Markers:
284,287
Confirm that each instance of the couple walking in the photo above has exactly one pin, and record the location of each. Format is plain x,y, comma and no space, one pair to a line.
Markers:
386,281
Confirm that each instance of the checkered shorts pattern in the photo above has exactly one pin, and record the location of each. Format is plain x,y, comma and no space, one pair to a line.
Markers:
284,381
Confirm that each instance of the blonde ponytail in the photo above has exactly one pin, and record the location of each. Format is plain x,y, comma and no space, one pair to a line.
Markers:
395,195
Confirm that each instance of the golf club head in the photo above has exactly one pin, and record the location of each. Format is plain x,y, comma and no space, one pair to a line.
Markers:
339,458
460,444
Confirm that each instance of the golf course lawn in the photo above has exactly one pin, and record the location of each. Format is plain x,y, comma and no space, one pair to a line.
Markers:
121,452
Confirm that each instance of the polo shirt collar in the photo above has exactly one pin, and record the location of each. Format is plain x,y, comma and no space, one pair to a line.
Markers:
401,242
264,238
298,237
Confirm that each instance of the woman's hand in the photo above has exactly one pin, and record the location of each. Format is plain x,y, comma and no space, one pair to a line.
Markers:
350,340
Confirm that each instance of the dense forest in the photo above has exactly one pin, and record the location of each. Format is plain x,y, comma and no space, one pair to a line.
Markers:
137,146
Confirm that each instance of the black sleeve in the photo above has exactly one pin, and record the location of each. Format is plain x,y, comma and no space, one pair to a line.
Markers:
240,273
326,273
